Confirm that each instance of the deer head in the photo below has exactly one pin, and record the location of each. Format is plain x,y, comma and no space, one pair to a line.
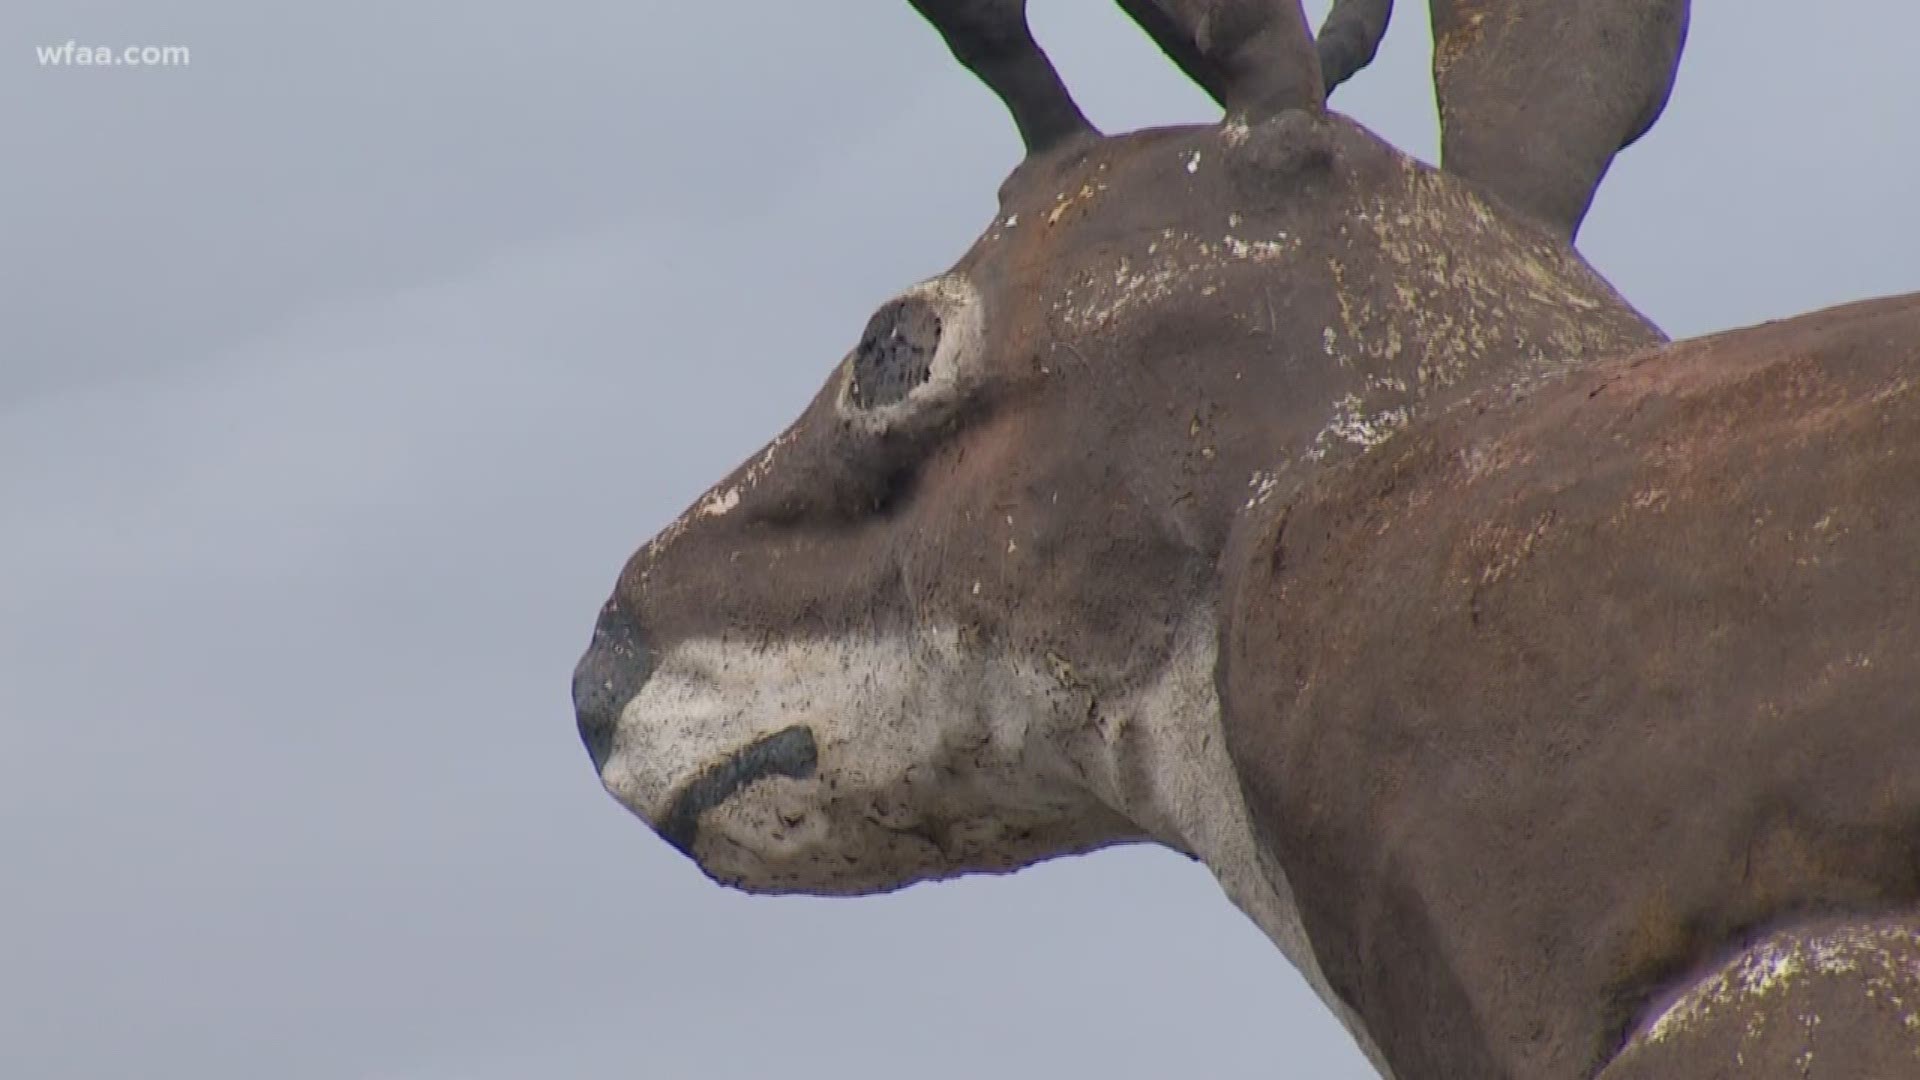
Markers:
958,617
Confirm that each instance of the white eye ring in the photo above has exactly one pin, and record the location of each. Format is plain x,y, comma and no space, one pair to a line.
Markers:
953,370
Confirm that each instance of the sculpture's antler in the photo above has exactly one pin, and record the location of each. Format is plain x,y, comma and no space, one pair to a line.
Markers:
1256,57
1350,37
992,40
1537,96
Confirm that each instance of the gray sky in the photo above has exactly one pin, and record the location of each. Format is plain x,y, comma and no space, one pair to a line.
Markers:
341,370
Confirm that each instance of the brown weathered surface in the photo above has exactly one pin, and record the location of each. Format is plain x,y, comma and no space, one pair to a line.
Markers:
1552,700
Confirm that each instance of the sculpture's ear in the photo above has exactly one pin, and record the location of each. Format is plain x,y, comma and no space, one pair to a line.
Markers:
1536,96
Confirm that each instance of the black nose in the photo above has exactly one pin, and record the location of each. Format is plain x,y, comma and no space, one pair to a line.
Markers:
614,668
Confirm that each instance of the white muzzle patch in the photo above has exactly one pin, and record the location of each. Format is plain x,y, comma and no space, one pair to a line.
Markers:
921,761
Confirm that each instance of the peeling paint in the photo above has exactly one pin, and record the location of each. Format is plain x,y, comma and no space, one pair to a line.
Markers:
1263,484
1255,249
1349,424
1066,201
718,503
1176,263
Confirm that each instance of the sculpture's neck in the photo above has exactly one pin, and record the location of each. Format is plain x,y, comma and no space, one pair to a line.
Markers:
1163,765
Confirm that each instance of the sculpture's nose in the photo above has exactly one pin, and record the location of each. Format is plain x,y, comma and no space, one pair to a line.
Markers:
615,666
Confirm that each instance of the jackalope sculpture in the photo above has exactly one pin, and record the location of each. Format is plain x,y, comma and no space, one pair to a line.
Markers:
1548,693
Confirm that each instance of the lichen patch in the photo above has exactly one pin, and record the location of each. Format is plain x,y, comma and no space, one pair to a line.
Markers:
1879,962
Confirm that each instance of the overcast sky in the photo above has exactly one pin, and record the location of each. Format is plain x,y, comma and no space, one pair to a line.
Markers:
340,371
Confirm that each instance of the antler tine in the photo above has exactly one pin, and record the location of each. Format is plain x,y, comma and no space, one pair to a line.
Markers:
1350,37
1255,57
991,39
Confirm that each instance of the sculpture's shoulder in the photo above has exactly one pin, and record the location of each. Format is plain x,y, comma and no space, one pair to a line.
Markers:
1476,679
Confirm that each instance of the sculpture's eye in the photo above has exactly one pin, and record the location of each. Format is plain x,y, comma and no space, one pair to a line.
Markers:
917,362
895,353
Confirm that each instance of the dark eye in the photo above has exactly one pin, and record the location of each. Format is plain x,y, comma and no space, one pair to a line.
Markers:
895,353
